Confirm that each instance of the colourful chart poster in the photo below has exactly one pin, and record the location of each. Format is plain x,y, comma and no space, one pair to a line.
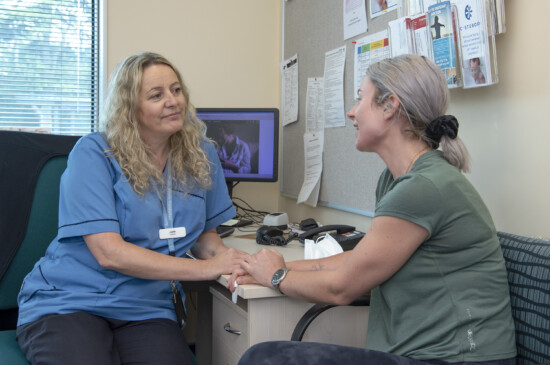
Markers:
369,50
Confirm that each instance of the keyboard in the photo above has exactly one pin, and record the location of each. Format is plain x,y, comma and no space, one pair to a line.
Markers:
224,231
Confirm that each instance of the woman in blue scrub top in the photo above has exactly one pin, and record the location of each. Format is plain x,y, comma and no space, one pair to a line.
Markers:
133,201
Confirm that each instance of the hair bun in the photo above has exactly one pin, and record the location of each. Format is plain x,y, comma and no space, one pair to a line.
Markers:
445,125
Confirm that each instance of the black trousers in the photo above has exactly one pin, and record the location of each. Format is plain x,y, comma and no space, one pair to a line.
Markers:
82,338
312,353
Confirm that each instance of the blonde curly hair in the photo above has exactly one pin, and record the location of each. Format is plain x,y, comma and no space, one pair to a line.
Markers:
190,165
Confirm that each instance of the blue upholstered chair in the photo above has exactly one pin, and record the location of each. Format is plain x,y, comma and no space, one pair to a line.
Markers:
528,266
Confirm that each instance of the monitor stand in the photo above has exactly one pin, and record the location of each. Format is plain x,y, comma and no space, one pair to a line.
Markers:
230,188
235,222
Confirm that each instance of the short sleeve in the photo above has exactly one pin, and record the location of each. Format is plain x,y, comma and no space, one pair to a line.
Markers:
219,207
415,199
87,203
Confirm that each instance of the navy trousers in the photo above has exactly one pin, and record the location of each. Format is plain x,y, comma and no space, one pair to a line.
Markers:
313,353
85,339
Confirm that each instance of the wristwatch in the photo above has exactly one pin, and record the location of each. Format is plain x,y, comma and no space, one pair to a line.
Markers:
278,276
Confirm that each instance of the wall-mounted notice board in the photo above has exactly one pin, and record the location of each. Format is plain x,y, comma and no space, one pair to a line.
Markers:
312,28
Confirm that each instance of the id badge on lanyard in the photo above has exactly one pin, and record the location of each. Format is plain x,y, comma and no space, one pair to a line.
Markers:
169,232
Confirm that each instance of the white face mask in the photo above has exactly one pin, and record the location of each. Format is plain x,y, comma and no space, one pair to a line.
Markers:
325,246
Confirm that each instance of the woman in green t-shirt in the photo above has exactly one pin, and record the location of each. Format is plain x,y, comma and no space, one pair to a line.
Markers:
431,257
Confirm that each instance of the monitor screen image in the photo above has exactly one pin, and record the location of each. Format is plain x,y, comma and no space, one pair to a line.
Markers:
247,141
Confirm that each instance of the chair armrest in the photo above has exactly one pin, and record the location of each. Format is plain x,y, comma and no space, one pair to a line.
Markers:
316,310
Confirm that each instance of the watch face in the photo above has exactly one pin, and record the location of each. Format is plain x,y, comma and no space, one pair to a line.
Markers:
277,277
278,274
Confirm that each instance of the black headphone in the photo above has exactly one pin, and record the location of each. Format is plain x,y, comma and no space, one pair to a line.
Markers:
269,235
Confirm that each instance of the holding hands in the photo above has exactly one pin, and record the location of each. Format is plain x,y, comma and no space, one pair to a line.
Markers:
226,262
257,269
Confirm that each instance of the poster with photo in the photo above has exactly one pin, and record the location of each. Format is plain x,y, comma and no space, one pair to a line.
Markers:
380,7
440,21
474,38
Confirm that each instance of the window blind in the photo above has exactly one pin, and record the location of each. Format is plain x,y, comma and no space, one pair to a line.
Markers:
49,65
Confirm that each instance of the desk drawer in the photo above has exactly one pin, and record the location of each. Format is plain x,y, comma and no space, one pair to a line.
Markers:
223,354
227,317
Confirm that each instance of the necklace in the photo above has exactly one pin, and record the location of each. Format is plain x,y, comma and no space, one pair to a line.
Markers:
414,159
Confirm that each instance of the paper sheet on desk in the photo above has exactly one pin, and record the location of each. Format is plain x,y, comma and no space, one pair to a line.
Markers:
324,247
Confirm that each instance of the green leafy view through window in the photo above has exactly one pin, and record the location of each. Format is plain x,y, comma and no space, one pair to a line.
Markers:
49,65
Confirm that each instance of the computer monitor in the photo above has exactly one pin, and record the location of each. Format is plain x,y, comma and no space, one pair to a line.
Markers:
247,142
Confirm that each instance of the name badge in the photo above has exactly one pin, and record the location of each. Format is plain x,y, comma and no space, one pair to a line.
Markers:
176,232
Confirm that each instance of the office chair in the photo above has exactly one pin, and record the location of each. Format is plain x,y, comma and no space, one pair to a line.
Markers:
31,169
528,266
316,310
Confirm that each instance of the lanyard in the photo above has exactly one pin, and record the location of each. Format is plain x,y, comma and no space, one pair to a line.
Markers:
168,221
167,210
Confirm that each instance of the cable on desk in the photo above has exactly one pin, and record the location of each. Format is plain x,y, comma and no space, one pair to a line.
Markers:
246,212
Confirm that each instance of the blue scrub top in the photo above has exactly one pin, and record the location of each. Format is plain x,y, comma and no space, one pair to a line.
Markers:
96,197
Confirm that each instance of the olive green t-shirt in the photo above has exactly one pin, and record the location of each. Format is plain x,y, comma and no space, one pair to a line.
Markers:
450,301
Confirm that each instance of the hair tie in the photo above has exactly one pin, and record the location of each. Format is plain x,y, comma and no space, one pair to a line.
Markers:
445,125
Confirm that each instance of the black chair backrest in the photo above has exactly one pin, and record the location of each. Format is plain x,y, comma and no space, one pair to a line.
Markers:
528,266
31,168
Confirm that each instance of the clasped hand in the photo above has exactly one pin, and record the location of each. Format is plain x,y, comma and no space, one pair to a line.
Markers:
225,262
257,268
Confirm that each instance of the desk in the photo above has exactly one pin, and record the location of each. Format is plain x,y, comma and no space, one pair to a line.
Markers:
262,314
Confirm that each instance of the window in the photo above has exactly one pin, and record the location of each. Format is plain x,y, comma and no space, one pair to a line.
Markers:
49,65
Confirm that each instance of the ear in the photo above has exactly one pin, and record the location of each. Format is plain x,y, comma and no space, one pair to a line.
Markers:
391,107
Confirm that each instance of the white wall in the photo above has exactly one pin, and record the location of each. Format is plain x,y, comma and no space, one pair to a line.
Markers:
229,51
506,127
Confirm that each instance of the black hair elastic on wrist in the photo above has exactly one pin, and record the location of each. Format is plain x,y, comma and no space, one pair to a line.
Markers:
445,125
